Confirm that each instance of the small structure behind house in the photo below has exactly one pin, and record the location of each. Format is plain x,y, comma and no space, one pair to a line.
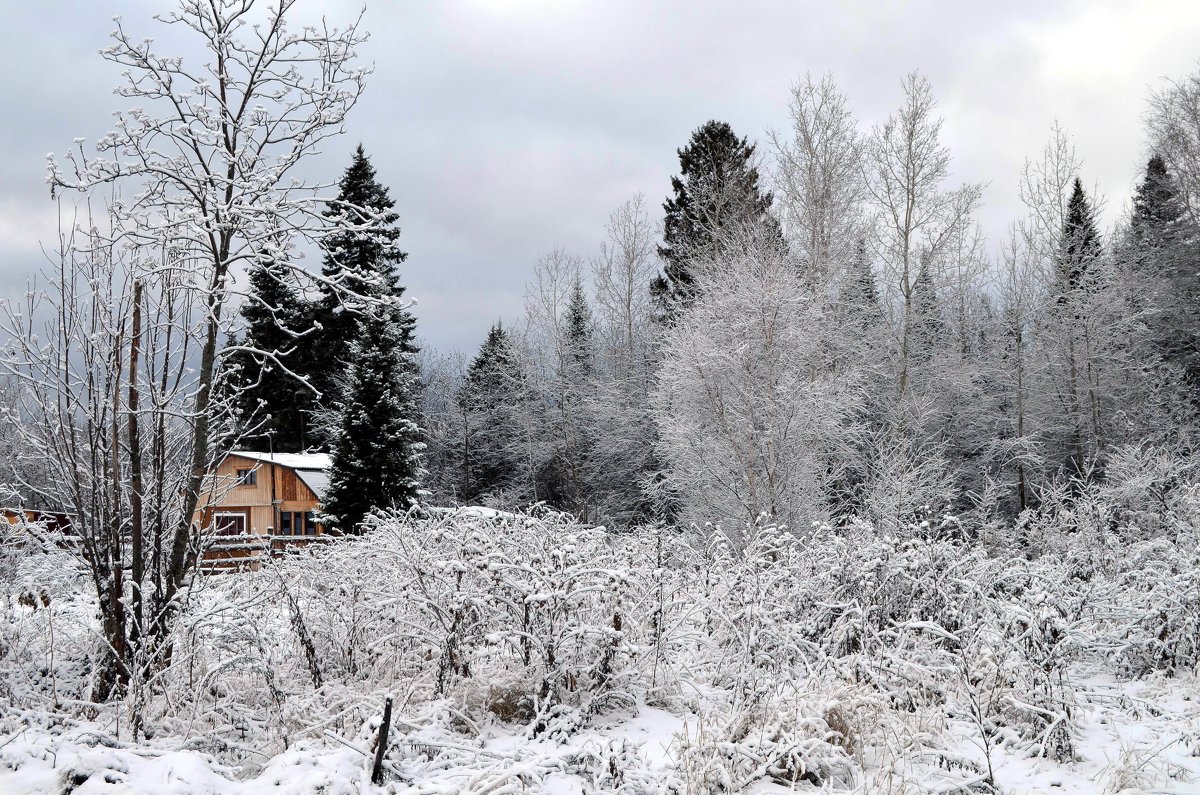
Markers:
51,521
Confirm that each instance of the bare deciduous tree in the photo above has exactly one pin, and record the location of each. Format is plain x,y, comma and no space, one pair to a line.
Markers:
906,168
819,177
747,426
202,177
1173,122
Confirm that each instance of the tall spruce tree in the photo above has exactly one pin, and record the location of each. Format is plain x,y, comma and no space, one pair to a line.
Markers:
1162,252
717,203
579,348
1080,243
272,405
929,329
491,448
1158,210
858,298
570,482
363,264
1075,427
377,452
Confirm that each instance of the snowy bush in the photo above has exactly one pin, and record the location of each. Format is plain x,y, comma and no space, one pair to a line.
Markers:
788,736
836,657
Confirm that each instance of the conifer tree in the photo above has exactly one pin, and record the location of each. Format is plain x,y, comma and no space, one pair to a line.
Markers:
1158,208
1080,243
929,329
357,263
377,452
1162,250
1070,334
717,203
272,404
579,349
491,401
858,298
572,486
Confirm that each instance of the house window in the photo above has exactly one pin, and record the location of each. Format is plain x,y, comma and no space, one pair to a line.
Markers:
297,523
247,477
229,524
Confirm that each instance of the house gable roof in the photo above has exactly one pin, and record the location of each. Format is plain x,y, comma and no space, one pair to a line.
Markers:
317,481
314,462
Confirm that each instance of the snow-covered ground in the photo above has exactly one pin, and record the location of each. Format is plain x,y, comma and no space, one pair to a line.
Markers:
1135,737
534,655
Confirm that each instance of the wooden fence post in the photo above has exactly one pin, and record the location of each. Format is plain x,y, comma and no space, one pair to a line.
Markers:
377,770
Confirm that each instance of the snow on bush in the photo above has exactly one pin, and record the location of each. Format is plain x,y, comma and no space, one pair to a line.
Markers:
521,648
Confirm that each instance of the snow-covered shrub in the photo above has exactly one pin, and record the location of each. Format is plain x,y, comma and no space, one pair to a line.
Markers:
788,736
525,618
907,483
620,767
1041,702
1160,587
754,599
873,586
1149,486
47,645
838,656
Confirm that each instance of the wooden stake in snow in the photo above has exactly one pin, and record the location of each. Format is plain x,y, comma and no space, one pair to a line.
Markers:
377,770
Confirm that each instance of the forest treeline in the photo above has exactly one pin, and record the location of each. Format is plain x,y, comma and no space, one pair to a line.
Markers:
814,330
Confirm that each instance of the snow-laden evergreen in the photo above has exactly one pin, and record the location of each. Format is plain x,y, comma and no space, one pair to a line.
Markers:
378,447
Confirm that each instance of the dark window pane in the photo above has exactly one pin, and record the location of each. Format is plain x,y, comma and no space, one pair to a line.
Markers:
228,524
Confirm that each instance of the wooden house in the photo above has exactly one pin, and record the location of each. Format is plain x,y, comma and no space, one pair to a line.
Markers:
271,494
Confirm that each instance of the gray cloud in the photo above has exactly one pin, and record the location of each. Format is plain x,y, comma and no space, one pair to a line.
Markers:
508,127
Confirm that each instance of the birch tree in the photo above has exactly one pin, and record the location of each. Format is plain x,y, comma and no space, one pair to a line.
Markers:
906,169
820,183
620,409
1173,123
202,170
745,429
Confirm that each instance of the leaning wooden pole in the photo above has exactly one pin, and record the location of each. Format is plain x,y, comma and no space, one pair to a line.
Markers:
377,769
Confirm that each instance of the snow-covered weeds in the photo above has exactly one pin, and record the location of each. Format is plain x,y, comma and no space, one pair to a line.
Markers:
517,645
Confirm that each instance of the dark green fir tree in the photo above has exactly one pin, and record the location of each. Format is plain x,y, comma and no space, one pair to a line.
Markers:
378,449
571,479
1162,252
360,266
1159,215
717,205
273,405
929,329
491,449
579,348
858,299
1080,243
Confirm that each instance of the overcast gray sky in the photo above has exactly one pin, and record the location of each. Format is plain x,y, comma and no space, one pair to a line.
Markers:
505,128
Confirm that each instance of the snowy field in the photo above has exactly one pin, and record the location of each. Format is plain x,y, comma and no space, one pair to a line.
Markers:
530,654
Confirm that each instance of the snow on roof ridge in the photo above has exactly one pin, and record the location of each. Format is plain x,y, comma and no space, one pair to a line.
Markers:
289,460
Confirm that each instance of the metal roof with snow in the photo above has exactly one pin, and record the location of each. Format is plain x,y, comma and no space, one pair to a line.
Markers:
317,481
315,462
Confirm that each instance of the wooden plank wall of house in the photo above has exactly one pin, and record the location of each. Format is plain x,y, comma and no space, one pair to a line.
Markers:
249,552
250,497
52,521
257,506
